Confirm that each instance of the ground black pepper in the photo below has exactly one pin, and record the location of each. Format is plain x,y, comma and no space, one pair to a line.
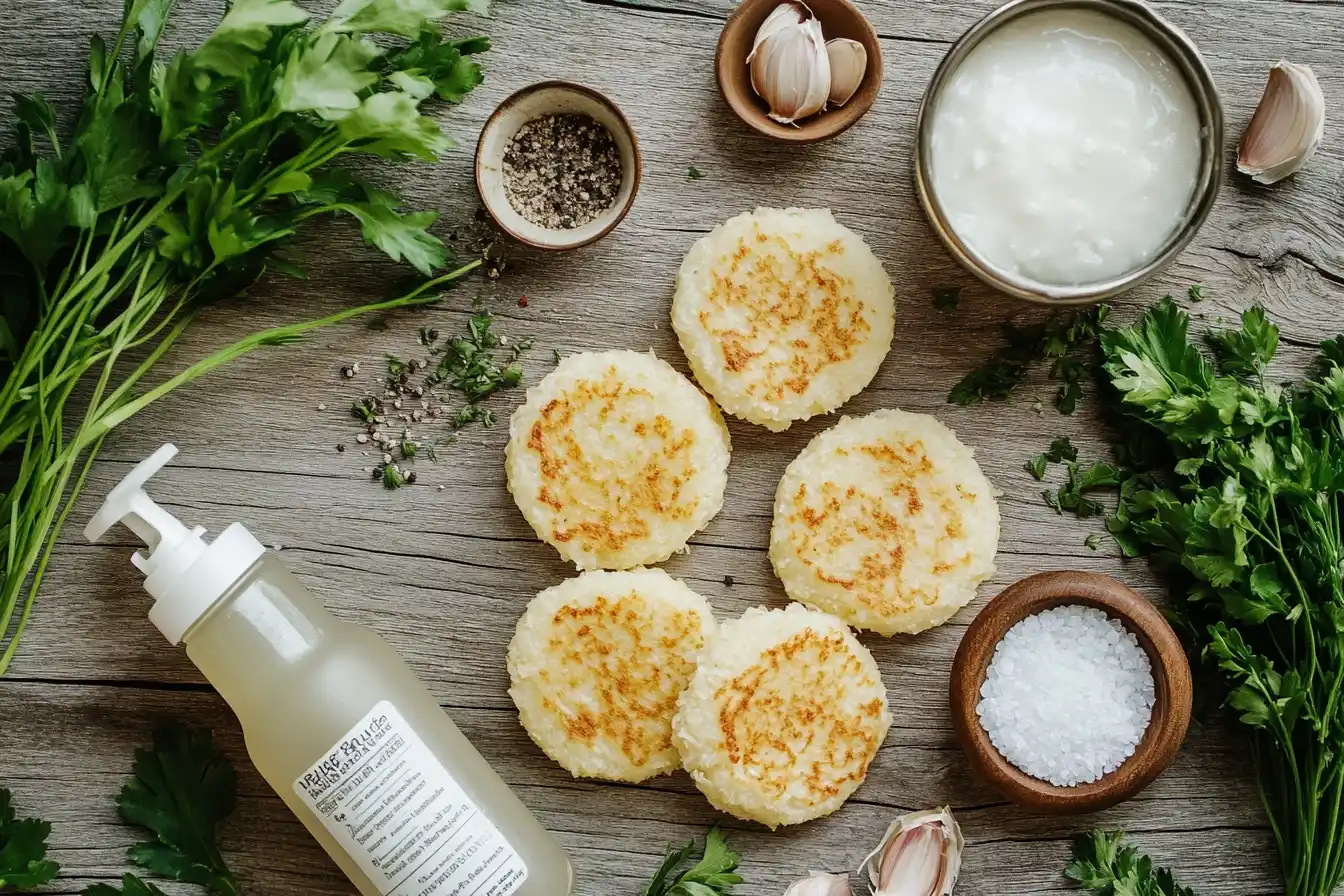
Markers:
562,171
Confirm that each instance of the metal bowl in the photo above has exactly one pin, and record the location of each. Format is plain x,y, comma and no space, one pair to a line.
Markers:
1180,49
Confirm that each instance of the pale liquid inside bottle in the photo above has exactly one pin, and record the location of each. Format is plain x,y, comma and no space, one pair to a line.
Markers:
404,804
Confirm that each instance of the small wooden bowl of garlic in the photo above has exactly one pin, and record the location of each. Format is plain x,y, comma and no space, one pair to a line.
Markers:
799,72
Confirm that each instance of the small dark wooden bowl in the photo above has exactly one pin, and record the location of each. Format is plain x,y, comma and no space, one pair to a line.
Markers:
1171,675
839,18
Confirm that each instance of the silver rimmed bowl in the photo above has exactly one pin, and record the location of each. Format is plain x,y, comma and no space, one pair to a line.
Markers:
1182,52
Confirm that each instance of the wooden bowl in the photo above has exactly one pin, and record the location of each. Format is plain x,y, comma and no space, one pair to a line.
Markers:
1171,675
839,18
535,101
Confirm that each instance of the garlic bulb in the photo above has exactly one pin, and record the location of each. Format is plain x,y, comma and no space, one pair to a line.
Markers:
820,884
790,68
1287,126
849,63
919,856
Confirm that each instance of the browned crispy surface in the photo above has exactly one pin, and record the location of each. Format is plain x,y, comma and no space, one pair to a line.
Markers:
787,721
635,657
600,500
828,519
782,314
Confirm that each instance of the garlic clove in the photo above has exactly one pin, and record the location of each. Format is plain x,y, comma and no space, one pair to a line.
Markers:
920,855
782,16
791,71
1287,126
849,63
821,884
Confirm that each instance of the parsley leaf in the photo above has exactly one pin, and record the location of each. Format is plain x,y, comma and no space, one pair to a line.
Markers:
237,43
390,475
401,236
1068,341
327,76
182,791
1036,467
711,875
390,125
23,849
1102,865
1247,351
444,63
1061,449
694,173
403,17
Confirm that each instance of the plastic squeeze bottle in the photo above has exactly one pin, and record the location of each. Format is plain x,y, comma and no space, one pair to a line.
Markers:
334,720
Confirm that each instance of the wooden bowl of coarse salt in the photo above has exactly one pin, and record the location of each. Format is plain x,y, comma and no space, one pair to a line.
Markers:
1070,693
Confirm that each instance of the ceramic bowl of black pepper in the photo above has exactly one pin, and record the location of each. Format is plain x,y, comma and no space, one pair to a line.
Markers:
558,165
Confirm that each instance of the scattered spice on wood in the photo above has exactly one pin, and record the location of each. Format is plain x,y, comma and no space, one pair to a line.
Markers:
476,364
562,171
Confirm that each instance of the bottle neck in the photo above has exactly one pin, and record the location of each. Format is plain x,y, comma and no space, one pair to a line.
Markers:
258,635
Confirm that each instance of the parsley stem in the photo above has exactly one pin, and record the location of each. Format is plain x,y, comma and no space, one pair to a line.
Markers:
273,336
53,534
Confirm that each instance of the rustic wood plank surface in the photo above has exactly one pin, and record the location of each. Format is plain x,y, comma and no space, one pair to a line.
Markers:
443,574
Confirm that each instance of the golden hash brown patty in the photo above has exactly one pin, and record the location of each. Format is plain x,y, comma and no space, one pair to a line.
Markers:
597,664
885,521
615,459
783,716
783,314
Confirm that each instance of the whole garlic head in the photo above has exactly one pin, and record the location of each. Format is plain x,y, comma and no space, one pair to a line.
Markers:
821,884
790,67
849,63
1287,126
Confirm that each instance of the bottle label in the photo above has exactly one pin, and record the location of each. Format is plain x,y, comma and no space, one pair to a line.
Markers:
403,819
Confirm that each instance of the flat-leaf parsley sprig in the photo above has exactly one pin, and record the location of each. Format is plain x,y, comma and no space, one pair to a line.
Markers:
713,874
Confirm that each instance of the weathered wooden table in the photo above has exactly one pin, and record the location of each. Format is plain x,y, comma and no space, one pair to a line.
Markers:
444,573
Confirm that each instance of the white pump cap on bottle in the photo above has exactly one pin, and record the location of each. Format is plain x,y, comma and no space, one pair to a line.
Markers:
183,573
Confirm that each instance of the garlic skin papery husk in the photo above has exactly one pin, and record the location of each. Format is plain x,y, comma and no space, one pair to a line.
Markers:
919,856
790,68
849,63
1287,125
785,15
821,884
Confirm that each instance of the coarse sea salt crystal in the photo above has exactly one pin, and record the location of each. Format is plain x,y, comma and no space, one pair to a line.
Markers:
1068,695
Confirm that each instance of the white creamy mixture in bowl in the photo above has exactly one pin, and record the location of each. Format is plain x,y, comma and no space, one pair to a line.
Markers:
1068,150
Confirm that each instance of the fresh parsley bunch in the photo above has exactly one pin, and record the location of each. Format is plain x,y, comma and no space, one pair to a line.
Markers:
1247,518
180,184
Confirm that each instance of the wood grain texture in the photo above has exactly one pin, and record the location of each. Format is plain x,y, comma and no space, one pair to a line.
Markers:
444,574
